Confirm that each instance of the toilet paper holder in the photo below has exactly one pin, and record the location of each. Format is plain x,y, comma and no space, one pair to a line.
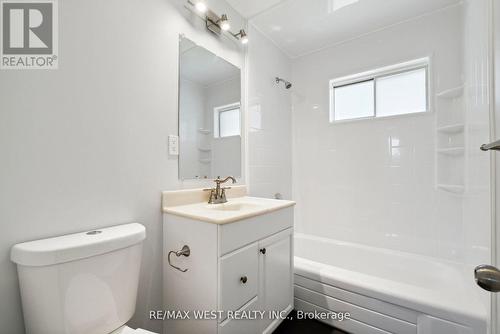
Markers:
185,251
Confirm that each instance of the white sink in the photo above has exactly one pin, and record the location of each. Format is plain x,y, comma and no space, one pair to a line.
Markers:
234,206
193,204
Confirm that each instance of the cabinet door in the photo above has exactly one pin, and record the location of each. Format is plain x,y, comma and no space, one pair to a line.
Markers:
276,274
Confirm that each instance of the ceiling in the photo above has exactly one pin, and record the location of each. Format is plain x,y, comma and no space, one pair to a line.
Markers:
248,9
300,27
203,67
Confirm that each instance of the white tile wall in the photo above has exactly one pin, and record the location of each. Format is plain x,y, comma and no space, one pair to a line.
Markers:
373,181
477,211
269,114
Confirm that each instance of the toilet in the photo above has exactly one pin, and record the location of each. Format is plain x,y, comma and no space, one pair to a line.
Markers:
82,283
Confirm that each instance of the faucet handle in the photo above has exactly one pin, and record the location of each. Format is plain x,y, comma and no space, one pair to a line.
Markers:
211,196
223,194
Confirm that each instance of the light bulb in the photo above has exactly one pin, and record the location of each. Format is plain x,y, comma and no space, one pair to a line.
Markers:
243,37
201,7
224,23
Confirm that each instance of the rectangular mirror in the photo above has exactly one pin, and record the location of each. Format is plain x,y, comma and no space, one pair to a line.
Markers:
209,114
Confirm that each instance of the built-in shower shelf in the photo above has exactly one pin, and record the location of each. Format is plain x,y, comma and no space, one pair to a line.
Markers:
452,93
451,133
205,161
451,129
451,151
204,131
204,149
452,188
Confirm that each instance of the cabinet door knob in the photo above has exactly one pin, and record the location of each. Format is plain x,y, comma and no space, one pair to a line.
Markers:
243,279
263,250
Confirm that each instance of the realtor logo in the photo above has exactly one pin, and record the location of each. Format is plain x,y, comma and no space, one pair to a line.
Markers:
29,34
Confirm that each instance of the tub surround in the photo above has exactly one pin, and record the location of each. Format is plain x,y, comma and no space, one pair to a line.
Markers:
384,190
193,204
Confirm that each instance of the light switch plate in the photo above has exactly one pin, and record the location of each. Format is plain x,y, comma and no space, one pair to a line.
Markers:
173,145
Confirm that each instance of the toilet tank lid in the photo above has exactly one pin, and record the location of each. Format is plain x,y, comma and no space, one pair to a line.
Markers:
76,246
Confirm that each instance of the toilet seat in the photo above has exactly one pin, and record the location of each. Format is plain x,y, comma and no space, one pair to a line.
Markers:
128,330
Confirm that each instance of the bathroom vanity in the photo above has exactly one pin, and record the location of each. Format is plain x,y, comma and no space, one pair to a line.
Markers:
240,258
227,256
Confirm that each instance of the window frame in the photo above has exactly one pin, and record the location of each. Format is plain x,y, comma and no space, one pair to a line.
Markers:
220,109
374,75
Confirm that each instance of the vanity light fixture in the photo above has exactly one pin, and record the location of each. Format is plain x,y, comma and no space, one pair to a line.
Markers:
215,23
242,36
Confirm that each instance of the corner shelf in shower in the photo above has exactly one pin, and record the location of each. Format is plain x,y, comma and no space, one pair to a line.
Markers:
452,188
451,150
451,140
451,93
204,131
205,161
203,149
451,129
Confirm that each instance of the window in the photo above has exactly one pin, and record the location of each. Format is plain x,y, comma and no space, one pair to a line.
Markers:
227,121
390,91
354,100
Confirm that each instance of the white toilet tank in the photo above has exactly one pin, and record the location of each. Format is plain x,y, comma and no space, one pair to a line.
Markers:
83,283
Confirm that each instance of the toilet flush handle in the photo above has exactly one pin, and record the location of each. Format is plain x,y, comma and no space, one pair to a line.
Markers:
185,251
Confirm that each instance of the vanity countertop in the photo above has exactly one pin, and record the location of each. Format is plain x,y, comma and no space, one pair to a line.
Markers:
236,208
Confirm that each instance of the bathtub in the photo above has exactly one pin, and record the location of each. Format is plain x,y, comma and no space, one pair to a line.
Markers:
385,291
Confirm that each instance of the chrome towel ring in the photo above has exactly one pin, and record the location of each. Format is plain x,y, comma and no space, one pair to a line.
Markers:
185,251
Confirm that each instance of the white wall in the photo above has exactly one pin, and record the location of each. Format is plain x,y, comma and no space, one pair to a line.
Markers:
84,146
495,232
192,101
477,210
269,119
373,181
477,200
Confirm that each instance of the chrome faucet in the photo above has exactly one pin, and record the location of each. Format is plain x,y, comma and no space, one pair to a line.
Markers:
218,194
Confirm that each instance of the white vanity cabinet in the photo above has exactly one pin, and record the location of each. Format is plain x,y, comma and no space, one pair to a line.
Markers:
243,265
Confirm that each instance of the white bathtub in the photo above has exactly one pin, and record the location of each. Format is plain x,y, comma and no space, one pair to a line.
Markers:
386,291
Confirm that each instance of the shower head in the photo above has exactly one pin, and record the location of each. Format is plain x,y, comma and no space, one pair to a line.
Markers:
288,85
